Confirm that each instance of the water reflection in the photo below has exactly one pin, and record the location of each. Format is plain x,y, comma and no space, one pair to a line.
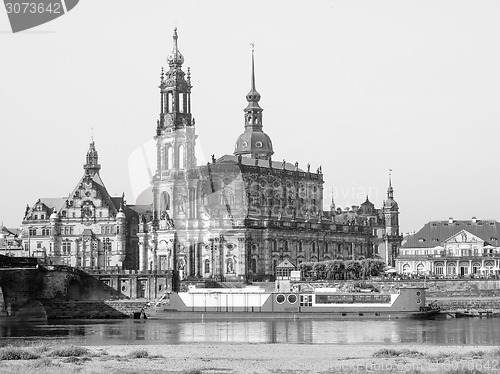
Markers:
91,332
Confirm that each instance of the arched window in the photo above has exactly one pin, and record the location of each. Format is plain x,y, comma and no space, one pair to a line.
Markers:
406,268
254,266
207,266
181,102
180,156
170,157
314,247
285,246
326,246
275,245
300,246
169,102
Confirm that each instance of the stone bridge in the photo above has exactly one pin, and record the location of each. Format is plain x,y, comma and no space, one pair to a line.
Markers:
35,292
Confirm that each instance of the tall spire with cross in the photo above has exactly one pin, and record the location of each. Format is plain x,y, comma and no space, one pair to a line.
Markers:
254,142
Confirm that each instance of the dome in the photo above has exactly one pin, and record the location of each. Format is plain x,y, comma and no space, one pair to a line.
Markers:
254,143
54,216
120,215
175,57
391,204
253,95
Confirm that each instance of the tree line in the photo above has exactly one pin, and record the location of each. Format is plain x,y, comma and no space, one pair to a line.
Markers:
340,269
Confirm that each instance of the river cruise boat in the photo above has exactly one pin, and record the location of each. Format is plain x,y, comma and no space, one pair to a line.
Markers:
256,303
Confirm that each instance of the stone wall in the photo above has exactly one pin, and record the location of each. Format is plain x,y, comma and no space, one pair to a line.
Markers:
93,309
63,292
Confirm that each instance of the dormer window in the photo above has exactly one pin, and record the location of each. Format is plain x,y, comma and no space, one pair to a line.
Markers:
421,240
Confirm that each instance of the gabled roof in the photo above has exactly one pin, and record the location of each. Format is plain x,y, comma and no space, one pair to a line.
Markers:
286,264
56,203
436,232
464,236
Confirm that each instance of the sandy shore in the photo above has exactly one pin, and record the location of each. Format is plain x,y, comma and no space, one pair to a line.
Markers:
266,358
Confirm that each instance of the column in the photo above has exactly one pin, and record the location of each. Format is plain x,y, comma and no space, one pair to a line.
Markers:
242,259
142,256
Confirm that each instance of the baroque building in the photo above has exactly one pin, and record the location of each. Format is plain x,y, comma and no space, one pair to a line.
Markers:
88,229
452,248
240,215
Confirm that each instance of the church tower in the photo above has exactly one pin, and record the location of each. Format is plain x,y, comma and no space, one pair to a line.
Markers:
175,138
92,166
254,142
391,220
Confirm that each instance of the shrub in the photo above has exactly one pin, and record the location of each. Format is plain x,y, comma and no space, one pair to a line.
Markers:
71,351
16,353
388,353
139,353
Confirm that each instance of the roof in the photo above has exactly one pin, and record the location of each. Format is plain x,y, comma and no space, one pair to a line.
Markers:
56,203
286,264
247,161
436,232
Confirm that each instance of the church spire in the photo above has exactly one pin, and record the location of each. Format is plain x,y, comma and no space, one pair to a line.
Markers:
92,166
254,142
175,58
390,203
390,190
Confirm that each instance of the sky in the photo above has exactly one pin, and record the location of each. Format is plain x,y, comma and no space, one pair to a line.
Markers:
358,87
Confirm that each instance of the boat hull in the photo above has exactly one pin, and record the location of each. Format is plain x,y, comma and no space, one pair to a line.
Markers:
158,313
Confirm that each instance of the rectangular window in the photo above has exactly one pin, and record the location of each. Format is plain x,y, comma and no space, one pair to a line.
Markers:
305,300
39,244
66,248
32,232
439,270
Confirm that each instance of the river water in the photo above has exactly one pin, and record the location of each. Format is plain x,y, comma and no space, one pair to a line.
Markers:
466,331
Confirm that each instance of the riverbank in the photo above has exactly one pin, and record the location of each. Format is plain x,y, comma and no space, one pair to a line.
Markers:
252,358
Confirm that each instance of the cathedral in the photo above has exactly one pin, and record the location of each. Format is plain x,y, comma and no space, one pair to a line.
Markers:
241,215
236,218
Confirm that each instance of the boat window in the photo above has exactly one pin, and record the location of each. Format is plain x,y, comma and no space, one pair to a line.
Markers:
419,293
280,299
292,299
305,300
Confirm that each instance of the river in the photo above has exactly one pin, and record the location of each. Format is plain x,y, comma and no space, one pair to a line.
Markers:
466,331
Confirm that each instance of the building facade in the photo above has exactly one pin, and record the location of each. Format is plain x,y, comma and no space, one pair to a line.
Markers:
452,248
89,229
240,215
11,242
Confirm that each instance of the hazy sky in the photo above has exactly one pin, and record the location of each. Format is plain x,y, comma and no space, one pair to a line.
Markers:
355,86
